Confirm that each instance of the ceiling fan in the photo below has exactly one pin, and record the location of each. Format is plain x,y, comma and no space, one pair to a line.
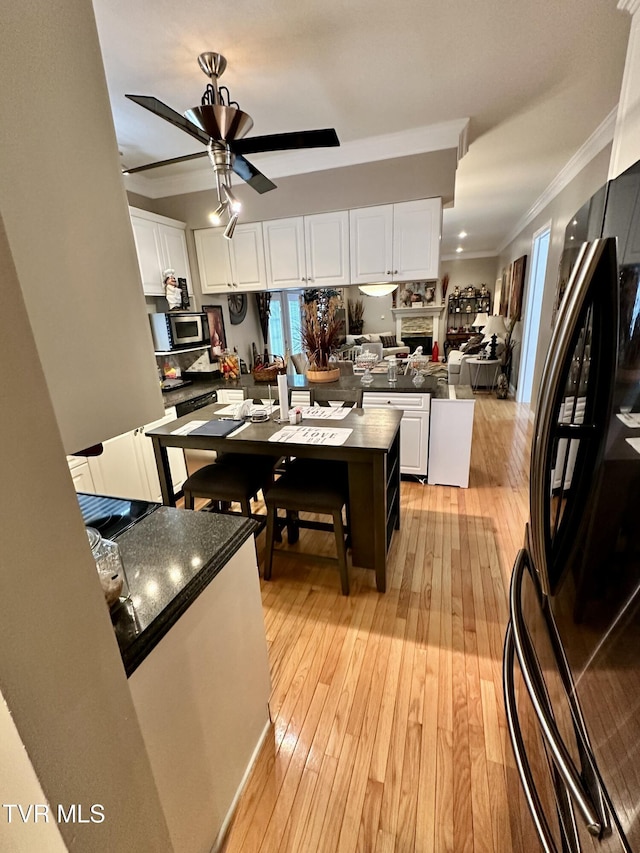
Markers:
221,125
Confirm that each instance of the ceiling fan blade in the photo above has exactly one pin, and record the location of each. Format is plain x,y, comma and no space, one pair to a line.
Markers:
185,158
254,177
155,106
326,138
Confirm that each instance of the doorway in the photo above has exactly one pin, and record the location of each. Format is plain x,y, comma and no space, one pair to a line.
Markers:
539,254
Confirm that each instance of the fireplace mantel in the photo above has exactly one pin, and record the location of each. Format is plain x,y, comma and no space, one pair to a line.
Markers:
419,311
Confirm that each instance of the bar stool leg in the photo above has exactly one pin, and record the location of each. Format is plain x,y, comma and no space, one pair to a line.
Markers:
268,547
342,551
188,500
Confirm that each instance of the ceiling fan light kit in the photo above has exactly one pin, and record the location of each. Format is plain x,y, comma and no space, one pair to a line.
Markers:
220,124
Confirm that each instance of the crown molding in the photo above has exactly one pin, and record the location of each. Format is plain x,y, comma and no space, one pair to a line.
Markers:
468,256
436,137
598,140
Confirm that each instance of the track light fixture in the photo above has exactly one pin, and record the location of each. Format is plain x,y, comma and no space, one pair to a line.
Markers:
231,226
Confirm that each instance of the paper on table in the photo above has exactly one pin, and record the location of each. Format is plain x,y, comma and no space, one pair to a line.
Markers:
324,413
311,435
630,419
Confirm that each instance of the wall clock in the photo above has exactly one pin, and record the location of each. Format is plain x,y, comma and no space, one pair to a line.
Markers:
237,307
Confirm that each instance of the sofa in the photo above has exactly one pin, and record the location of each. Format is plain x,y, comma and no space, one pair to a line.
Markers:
399,349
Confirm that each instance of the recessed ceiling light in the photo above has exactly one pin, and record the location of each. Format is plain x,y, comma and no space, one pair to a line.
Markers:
459,249
575,222
462,235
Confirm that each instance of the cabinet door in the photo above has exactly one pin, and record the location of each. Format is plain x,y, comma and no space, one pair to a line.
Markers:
284,252
144,447
213,260
174,245
247,257
150,258
416,239
414,436
118,471
371,244
81,475
326,237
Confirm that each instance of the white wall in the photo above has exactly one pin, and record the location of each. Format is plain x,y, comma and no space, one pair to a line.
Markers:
61,674
626,138
559,211
65,213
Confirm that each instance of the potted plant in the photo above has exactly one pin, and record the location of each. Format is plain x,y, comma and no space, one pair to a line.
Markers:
506,359
356,312
321,331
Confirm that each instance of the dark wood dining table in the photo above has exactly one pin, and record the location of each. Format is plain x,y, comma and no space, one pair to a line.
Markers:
371,453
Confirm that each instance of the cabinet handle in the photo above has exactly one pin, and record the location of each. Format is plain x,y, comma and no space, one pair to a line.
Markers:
388,272
395,272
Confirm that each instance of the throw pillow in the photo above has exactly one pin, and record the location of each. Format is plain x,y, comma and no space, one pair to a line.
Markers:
388,341
474,345
361,340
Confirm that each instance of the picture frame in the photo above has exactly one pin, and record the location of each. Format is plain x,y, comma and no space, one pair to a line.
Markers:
217,331
517,288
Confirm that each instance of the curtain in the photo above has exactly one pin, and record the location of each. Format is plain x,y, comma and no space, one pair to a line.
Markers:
262,302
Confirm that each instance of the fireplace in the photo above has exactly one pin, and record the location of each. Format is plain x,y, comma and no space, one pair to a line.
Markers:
414,341
420,326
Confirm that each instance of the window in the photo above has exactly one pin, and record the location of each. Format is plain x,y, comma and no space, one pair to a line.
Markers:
285,322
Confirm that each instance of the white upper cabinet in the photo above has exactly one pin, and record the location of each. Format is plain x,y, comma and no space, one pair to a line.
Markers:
161,244
284,252
236,264
326,238
371,244
303,251
396,242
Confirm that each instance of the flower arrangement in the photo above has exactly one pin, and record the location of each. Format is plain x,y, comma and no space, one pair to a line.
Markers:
321,329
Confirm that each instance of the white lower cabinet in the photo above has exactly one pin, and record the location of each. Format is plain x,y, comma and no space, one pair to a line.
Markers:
414,427
450,442
127,468
80,474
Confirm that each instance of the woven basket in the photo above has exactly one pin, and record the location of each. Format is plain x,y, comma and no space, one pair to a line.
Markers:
268,374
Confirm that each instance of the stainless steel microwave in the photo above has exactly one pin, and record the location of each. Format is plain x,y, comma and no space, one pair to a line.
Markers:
179,329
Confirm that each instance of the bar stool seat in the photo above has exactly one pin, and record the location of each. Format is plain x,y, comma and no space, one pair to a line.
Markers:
236,477
294,491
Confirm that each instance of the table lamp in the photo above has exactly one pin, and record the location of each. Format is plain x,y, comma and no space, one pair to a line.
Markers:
480,321
494,329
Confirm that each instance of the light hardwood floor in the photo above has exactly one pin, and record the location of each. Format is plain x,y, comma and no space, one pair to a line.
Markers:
388,725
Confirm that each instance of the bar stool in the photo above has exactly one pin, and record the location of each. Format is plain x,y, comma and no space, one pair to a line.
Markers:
295,492
234,477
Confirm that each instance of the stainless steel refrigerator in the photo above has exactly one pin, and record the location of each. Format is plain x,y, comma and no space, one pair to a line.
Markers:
572,647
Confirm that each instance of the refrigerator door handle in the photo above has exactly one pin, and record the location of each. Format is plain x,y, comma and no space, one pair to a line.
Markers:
532,677
522,763
559,350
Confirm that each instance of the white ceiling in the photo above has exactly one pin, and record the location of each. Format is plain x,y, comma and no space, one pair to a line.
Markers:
535,79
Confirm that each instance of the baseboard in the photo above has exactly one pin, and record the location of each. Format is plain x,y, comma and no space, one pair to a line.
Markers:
217,844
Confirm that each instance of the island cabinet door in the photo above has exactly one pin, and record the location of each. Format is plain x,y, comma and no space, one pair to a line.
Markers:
414,427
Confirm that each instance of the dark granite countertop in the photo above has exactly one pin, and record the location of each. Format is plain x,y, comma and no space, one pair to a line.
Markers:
461,392
169,558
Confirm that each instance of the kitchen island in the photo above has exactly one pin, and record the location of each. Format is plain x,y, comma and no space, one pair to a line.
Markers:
193,644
